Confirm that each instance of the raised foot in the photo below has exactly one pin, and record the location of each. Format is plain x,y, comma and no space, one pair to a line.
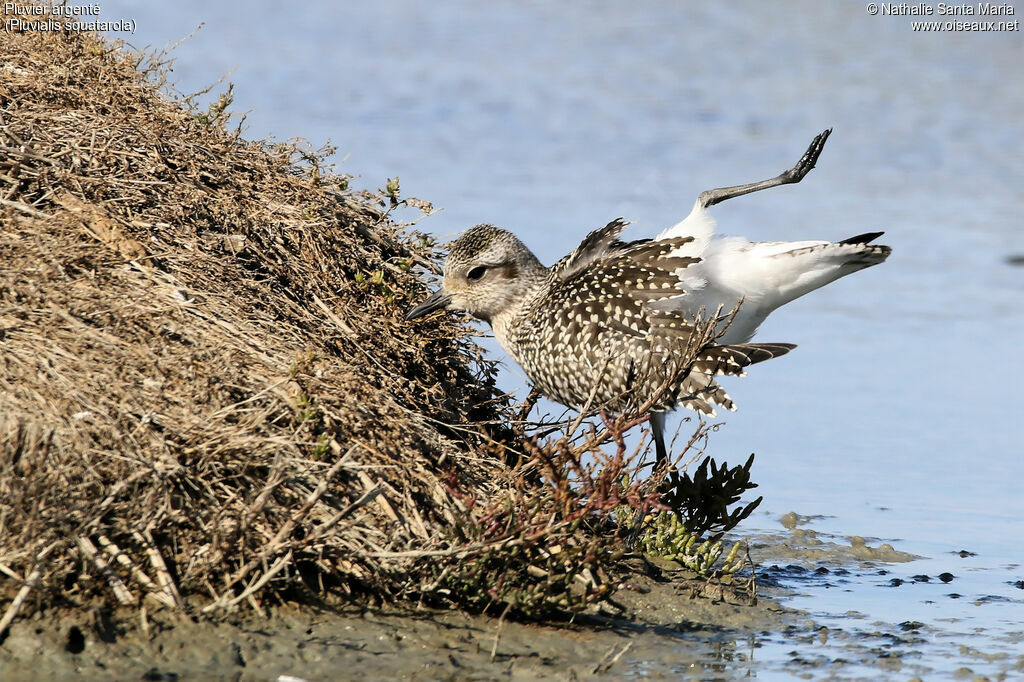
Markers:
793,175
810,157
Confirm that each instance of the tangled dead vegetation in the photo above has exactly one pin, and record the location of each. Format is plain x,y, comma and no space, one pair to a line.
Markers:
205,385
208,396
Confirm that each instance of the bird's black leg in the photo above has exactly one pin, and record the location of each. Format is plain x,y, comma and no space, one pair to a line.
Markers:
658,429
793,175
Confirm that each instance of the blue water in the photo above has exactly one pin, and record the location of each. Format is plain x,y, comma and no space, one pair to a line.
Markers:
900,415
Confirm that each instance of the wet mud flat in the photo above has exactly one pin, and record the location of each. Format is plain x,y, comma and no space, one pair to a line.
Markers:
662,624
666,628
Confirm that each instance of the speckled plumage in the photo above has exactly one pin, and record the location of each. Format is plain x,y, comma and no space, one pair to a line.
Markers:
590,330
616,324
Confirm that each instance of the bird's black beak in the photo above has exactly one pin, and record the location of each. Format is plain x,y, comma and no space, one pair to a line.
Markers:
435,302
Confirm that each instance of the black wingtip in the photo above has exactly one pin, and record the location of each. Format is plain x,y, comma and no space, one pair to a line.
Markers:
862,238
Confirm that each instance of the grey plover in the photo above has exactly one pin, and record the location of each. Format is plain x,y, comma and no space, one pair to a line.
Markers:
623,324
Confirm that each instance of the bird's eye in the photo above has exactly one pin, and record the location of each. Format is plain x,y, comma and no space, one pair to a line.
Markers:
476,273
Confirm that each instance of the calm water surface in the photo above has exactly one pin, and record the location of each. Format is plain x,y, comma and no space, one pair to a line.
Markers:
899,418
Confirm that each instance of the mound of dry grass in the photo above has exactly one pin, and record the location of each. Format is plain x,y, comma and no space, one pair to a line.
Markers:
206,387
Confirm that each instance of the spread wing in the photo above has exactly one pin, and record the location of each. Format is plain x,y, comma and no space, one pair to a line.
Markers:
604,245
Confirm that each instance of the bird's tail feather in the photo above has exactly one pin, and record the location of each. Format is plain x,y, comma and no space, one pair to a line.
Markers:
732,360
699,391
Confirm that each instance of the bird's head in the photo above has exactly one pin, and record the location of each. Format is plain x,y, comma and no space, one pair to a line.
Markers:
488,271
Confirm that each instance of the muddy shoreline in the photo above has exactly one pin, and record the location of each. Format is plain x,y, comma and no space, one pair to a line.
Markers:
663,623
665,626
